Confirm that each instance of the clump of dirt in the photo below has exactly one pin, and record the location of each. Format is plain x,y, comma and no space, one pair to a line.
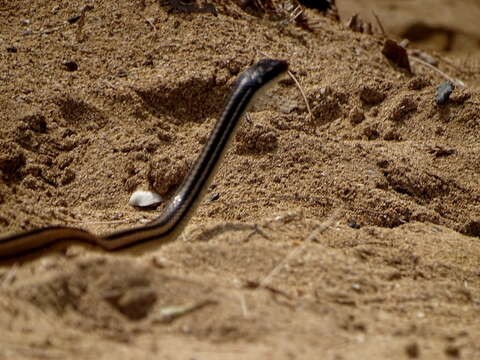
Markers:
327,227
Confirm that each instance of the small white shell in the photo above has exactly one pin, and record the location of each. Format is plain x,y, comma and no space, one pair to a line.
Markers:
142,198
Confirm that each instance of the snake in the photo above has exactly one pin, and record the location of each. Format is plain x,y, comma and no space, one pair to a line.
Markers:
174,217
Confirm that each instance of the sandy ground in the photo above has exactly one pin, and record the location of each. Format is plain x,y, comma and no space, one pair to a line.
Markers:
349,234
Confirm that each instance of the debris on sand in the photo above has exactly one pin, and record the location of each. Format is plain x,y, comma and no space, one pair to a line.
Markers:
396,54
443,92
145,199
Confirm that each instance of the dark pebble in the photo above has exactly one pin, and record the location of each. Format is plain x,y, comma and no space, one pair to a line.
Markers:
214,197
74,19
412,350
443,92
12,49
354,225
397,54
452,351
70,65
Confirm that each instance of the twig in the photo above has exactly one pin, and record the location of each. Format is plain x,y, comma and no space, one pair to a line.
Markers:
455,81
292,16
303,94
249,284
260,5
81,22
379,23
109,84
170,313
243,304
52,30
296,83
296,13
456,67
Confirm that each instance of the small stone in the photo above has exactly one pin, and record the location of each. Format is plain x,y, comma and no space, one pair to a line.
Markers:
356,287
145,199
214,197
452,351
161,262
74,19
412,350
70,65
396,54
443,92
354,225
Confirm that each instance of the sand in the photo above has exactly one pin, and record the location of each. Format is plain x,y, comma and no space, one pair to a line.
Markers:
350,233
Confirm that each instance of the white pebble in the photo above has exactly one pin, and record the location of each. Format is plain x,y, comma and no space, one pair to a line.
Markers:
142,198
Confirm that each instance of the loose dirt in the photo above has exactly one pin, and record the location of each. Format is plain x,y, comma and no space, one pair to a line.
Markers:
353,233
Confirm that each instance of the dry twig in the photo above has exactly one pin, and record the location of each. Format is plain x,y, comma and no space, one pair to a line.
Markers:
302,92
296,12
297,84
81,22
170,313
379,23
243,304
455,81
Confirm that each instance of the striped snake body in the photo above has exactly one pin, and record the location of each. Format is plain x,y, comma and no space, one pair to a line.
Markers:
175,216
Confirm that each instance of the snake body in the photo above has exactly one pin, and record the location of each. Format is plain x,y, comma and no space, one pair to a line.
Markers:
176,214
